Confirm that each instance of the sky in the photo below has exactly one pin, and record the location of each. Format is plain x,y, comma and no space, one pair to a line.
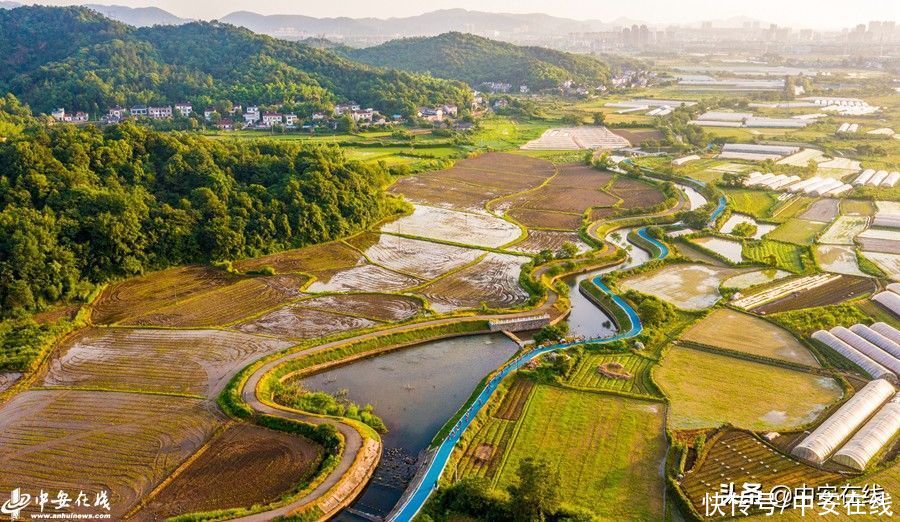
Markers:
823,14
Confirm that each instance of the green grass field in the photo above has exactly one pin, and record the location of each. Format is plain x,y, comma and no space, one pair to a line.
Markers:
756,203
797,231
786,256
607,450
707,390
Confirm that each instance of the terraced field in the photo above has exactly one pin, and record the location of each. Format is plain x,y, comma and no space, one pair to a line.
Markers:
316,258
197,362
377,307
479,229
86,434
636,194
704,392
575,189
493,281
363,278
422,259
732,330
297,322
539,240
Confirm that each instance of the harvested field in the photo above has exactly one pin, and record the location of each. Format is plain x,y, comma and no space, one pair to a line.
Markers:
889,263
588,373
445,193
539,240
378,307
316,258
751,279
422,259
198,362
297,322
636,194
244,466
797,231
837,259
493,281
841,289
515,399
732,330
880,240
546,219
225,305
707,390
84,435
363,278
575,189
743,458
577,138
823,210
8,379
607,450
687,286
844,230
140,295
457,227
638,136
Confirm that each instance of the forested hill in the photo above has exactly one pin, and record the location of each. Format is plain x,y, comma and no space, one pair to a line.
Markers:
75,58
82,205
476,60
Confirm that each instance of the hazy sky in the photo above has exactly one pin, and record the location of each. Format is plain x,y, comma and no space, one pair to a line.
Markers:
808,13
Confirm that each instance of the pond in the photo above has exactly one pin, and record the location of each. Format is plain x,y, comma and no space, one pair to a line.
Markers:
735,219
695,199
730,250
636,256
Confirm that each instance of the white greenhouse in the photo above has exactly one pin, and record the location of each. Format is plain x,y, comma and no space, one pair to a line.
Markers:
869,440
888,331
872,368
889,300
822,442
877,339
894,287
868,349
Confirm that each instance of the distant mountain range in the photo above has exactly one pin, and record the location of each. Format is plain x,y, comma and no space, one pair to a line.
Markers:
138,16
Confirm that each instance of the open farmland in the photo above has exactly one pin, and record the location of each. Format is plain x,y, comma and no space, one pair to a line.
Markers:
628,373
726,328
226,304
422,259
785,256
607,450
837,291
479,229
76,440
142,294
704,391
838,259
575,189
316,258
493,281
751,279
377,307
687,286
857,207
844,230
822,210
539,240
243,466
756,203
636,194
363,278
880,240
577,138
298,322
743,458
197,362
548,219
889,263
797,231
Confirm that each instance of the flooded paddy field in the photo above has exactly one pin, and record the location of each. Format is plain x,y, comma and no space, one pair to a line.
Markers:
838,259
735,219
493,281
889,263
363,278
457,227
539,240
751,279
297,322
377,307
422,259
687,286
844,230
730,250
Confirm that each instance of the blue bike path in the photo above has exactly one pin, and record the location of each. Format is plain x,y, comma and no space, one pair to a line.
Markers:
438,463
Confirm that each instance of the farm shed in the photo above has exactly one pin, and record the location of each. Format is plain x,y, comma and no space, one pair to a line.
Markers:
888,331
877,339
819,444
868,349
889,300
869,366
869,440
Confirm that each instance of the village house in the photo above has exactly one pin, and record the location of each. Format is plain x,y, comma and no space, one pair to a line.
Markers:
184,109
432,115
79,117
362,115
117,112
208,113
270,119
450,111
318,116
159,113
59,114
139,111
226,124
290,120
342,108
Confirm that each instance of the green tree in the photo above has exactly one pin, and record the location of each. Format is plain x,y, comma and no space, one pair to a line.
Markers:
536,493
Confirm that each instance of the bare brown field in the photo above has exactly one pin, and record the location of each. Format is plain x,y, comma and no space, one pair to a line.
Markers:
823,210
552,240
575,189
362,278
494,281
603,213
378,307
423,259
297,322
543,219
226,304
636,194
326,256
244,466
142,294
446,193
75,441
196,362
726,328
8,379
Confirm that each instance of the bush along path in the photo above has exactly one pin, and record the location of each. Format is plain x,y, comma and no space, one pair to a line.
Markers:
428,480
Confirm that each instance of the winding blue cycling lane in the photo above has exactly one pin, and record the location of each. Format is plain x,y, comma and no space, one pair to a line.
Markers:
436,465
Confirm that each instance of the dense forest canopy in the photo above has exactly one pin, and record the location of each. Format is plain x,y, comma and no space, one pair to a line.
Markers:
476,60
75,58
81,205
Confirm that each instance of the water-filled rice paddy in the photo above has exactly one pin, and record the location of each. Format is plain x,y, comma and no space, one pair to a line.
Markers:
454,226
730,250
687,286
